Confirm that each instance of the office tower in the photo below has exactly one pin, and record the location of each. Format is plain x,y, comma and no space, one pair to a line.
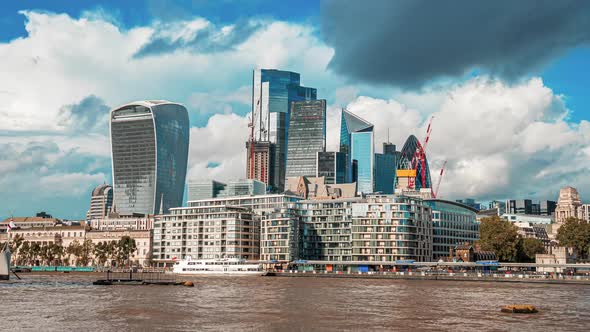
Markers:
547,208
384,173
362,150
248,187
332,166
260,164
389,148
519,206
307,137
204,189
101,202
357,141
272,93
149,147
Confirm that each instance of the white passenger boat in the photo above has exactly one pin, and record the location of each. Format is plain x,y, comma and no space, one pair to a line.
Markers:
233,266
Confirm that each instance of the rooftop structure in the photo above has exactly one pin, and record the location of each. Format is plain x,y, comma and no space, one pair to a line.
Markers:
101,202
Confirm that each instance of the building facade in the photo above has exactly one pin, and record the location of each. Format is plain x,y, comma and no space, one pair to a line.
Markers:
204,189
391,228
122,223
149,147
567,205
280,237
207,189
260,162
206,232
384,173
332,166
272,93
212,228
361,161
101,202
453,224
307,137
326,227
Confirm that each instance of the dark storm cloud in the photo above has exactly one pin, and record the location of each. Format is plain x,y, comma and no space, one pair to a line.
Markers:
207,40
89,115
410,43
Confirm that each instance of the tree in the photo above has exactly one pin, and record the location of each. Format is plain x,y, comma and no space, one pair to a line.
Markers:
35,252
500,236
101,253
575,233
75,249
528,248
23,254
86,251
125,249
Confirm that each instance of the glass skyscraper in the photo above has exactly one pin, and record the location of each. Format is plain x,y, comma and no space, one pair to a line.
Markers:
407,153
333,166
384,176
357,141
149,147
272,93
307,137
363,151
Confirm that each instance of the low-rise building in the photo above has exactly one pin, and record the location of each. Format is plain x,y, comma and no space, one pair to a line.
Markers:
557,255
115,222
528,218
206,232
453,223
28,222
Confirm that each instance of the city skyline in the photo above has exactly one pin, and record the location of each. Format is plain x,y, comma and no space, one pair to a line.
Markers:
505,134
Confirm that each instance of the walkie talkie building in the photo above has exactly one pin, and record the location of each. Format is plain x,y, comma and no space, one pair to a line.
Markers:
149,147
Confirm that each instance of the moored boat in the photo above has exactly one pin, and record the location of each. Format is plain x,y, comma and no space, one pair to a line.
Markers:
5,262
231,266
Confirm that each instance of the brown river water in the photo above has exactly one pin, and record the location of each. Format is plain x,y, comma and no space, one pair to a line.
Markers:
72,303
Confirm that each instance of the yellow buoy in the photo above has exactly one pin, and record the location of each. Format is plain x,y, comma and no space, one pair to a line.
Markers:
520,309
188,284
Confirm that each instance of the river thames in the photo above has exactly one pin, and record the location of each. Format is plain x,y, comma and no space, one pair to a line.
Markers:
71,302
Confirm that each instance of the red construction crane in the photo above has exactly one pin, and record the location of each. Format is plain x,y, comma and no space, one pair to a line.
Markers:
442,170
251,125
419,158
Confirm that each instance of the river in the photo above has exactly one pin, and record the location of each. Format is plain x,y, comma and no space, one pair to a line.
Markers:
71,302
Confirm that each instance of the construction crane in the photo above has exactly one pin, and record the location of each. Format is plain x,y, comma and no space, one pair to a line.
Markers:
251,125
442,171
419,157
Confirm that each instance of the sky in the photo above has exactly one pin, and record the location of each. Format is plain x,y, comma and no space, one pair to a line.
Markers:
505,82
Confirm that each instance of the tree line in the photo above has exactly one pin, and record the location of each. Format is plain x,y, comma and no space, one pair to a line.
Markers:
501,236
76,253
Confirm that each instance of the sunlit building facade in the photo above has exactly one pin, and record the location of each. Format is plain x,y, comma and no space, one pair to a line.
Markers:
272,93
149,146
307,137
332,166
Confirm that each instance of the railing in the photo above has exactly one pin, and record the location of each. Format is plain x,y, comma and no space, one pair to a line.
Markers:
130,275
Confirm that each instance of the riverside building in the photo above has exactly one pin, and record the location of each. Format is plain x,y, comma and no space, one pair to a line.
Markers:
391,228
149,144
280,238
326,229
215,228
453,224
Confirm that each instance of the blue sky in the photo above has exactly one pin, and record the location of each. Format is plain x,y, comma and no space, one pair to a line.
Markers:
510,96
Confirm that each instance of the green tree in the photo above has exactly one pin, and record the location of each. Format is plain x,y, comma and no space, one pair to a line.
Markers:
101,253
23,254
575,233
75,250
86,252
112,251
35,253
125,249
528,248
500,236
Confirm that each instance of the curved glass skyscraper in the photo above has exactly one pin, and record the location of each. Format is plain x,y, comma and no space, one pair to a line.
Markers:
407,154
149,147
